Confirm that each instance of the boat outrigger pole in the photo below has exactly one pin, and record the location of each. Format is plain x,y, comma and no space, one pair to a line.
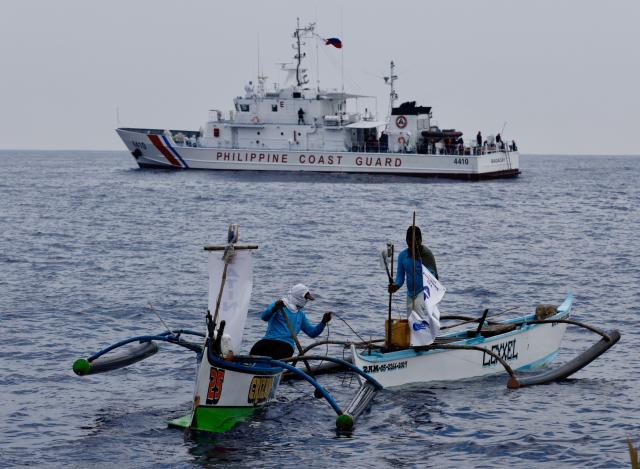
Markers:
346,419
97,363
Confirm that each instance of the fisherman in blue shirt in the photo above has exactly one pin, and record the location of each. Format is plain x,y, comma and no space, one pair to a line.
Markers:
278,341
407,263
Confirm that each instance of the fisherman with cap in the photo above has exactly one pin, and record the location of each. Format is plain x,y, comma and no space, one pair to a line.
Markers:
278,341
408,263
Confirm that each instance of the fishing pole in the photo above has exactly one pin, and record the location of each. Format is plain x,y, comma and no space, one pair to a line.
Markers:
158,316
352,329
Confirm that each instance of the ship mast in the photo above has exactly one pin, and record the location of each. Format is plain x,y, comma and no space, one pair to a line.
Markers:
298,55
390,80
301,80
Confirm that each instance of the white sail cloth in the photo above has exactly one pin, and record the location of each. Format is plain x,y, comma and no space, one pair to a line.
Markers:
425,329
236,294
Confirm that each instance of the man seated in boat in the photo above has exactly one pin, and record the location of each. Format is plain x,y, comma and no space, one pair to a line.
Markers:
286,318
408,264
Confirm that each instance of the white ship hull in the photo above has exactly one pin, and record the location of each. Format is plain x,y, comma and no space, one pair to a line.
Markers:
152,149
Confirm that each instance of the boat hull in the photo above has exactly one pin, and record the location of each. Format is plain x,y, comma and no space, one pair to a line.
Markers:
227,393
527,347
153,149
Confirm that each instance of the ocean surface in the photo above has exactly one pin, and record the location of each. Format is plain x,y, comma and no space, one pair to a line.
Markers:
87,240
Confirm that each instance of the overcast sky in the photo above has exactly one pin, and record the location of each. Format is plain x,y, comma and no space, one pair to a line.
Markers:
563,74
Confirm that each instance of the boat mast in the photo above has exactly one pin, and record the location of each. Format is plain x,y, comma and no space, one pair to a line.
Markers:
390,81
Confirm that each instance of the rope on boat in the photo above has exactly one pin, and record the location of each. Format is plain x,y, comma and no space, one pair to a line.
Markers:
352,329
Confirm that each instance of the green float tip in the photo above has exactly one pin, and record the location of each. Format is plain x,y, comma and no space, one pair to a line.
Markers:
81,367
344,422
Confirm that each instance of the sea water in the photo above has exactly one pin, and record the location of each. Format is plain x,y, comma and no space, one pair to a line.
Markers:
88,240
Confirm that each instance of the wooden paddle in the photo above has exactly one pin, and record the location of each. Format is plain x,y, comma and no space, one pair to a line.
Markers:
317,394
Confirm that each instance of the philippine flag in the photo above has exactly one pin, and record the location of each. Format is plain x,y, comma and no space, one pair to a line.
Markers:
333,41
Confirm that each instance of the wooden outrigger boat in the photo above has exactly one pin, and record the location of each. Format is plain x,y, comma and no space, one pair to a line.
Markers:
520,344
229,387
523,343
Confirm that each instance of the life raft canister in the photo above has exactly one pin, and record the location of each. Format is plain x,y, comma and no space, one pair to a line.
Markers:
401,122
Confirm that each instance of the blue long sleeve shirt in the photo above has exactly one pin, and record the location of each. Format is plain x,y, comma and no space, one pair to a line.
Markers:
406,265
277,327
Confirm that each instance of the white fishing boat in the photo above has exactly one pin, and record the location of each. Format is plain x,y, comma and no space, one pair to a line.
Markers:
516,345
227,391
229,387
302,127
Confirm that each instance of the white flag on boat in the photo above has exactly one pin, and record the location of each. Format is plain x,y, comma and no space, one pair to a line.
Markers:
236,293
425,329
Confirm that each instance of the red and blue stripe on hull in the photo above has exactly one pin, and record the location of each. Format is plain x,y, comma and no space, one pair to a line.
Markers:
164,147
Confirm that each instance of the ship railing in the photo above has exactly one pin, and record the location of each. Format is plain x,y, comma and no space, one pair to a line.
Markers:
469,150
458,150
504,146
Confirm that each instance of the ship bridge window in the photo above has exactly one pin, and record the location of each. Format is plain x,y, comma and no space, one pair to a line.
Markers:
244,107
274,108
297,94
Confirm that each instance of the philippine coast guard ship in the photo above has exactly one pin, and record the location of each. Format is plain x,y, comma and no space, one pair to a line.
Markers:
300,127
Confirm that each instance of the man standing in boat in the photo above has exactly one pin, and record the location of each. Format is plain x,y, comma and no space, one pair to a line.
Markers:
286,318
410,262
